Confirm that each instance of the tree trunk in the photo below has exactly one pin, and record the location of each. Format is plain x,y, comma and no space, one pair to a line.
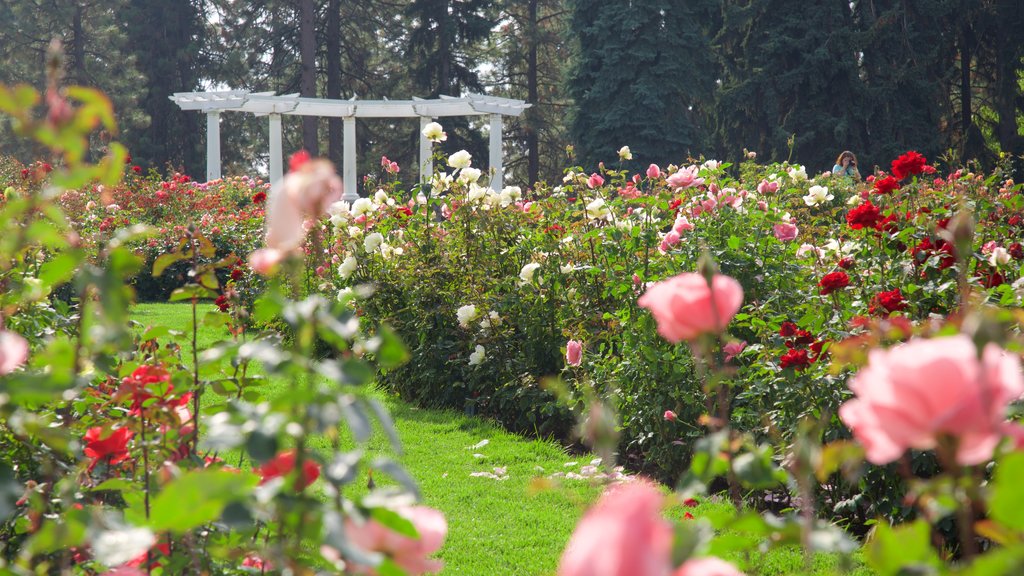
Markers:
307,82
334,125
443,52
78,47
532,142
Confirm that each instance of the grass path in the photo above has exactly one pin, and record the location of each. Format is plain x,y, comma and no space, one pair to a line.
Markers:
516,525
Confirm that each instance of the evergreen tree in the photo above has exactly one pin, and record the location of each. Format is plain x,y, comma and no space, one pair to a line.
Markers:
177,28
441,49
790,72
96,55
908,69
531,52
642,72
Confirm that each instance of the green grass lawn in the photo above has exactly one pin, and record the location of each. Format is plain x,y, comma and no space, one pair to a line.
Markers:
516,525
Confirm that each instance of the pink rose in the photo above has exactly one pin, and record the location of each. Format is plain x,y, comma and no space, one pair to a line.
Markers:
685,178
911,395
13,351
685,306
682,225
707,566
766,187
410,554
732,349
670,416
265,260
573,352
306,192
786,231
622,535
653,171
595,181
672,238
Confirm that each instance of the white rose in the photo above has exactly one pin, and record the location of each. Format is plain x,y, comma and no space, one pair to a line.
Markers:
373,241
381,197
467,175
478,356
597,210
817,195
362,206
527,273
466,314
434,132
460,159
999,256
625,153
798,173
476,192
514,192
348,266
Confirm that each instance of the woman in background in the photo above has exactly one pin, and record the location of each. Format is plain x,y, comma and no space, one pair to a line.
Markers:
846,165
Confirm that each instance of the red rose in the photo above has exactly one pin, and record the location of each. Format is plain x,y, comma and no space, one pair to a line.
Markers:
259,197
787,329
297,160
891,301
803,337
993,279
236,274
908,164
886,185
833,281
796,359
222,303
864,216
114,447
1016,251
284,463
846,263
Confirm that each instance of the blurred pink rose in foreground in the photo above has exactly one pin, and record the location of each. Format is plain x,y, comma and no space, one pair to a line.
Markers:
911,395
573,352
303,194
708,566
13,351
622,535
410,554
685,306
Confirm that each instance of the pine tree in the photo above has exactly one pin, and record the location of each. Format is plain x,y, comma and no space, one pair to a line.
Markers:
790,72
642,72
177,27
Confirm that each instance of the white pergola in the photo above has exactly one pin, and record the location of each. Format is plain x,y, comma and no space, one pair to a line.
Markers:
274,106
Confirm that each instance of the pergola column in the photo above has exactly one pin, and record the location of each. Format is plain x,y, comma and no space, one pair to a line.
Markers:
276,152
212,146
495,153
349,161
426,151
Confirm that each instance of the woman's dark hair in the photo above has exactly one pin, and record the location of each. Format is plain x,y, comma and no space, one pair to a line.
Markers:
853,157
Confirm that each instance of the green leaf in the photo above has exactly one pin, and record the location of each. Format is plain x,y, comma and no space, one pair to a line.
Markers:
197,498
1007,505
903,550
60,269
165,260
10,491
734,243
392,353
394,521
191,291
